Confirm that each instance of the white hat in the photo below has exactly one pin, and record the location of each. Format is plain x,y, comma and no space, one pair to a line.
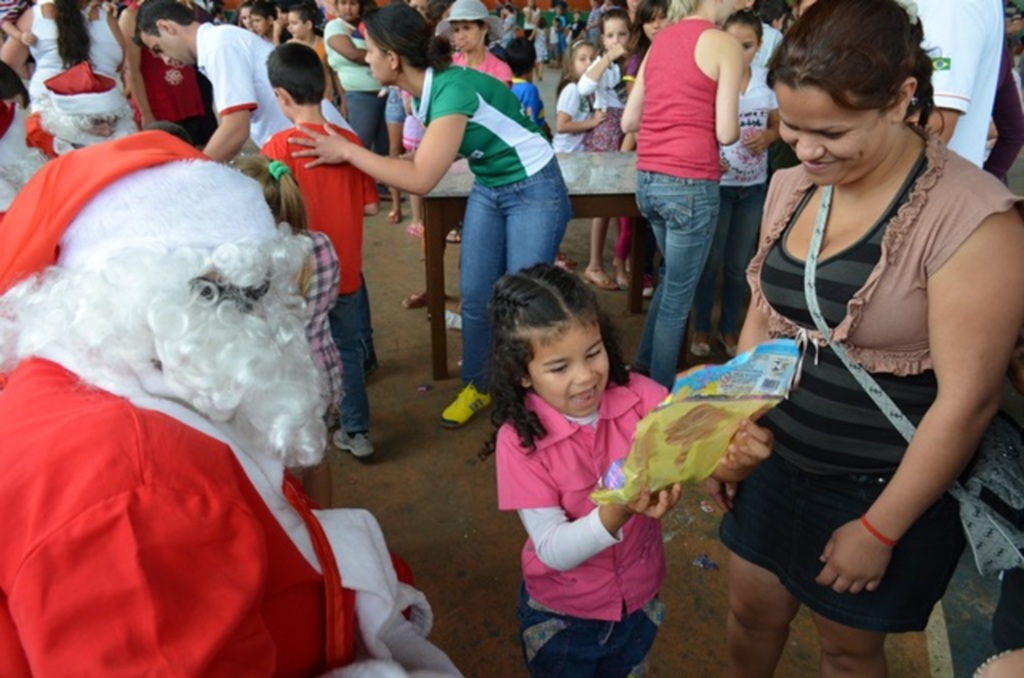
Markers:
147,192
471,10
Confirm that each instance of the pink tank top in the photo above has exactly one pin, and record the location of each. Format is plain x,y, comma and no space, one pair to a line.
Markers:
677,128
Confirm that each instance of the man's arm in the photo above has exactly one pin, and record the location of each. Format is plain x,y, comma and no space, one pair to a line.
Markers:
230,136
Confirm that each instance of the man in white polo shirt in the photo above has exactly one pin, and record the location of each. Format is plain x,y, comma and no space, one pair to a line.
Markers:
964,39
234,60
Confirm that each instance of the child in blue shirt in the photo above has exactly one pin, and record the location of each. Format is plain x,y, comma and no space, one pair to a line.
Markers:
521,56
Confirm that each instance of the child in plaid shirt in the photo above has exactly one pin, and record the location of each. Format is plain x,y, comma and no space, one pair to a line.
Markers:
337,197
318,284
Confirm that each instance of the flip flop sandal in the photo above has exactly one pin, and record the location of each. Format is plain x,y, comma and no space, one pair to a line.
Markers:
600,280
415,300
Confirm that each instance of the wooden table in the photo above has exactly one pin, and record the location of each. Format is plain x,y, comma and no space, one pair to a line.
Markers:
600,185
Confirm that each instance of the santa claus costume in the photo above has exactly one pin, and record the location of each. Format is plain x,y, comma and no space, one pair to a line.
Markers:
79,108
159,382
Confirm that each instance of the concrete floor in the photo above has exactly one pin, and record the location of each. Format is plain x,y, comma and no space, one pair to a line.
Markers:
437,504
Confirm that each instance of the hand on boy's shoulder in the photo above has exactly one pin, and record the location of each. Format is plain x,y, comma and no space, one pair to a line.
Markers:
337,129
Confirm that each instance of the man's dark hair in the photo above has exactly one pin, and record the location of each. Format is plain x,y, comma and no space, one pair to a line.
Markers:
161,10
297,69
520,55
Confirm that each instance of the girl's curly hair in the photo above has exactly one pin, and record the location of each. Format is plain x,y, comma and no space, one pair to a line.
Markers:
537,304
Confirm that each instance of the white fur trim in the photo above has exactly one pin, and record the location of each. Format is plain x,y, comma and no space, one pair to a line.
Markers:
91,103
154,210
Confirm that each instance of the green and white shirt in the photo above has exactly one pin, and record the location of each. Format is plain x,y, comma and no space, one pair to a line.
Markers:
501,142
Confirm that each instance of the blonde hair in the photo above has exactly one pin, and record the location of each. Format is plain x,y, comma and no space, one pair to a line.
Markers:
284,198
680,9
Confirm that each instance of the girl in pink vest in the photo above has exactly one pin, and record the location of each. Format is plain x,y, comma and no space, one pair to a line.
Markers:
567,408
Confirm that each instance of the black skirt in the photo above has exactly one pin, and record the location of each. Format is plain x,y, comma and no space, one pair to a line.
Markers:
783,518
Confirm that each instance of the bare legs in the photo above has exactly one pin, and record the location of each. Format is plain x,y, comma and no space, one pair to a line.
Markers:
760,611
594,272
395,149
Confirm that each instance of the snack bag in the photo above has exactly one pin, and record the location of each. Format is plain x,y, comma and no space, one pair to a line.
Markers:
684,438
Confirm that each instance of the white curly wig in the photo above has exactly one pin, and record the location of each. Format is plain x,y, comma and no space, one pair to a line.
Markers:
176,280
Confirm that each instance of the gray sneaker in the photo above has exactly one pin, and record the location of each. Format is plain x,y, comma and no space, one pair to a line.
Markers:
356,444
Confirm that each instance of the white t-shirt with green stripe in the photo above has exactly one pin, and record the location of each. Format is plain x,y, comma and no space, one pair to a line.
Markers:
501,142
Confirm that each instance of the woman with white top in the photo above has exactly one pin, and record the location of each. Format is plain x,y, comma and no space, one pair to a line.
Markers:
346,55
68,32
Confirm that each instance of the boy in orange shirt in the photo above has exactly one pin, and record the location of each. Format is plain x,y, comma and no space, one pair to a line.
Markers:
337,197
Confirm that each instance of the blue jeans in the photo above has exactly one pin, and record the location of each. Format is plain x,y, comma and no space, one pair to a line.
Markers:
348,319
364,310
739,219
366,115
682,214
505,229
560,645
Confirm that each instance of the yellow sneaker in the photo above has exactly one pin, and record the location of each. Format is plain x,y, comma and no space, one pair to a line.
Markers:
469,402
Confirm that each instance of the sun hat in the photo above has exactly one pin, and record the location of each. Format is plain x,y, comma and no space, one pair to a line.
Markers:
471,10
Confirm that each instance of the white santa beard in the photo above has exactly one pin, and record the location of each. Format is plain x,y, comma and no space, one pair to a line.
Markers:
137,326
18,162
67,129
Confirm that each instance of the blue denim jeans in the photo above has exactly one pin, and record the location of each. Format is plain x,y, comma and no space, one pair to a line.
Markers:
561,645
366,115
505,229
348,319
682,214
739,220
364,310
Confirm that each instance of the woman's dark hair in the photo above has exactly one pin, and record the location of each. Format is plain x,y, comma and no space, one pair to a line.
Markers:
859,52
401,29
748,18
306,12
437,8
537,304
646,12
73,41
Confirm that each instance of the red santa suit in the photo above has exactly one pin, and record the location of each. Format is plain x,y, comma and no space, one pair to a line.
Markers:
140,537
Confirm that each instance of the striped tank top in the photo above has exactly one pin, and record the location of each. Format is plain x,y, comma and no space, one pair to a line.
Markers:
829,425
